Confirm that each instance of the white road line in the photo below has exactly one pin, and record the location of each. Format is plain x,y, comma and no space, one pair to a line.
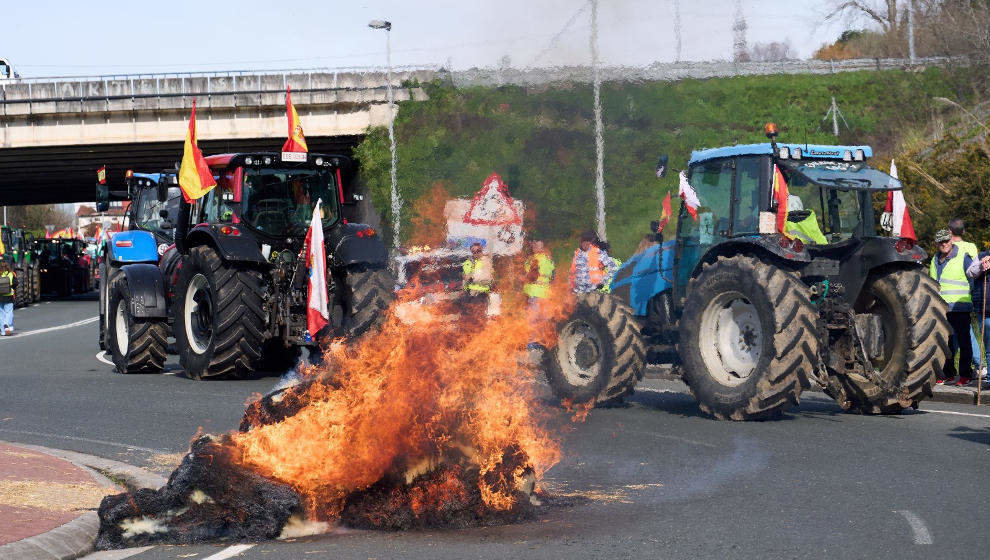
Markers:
921,533
116,554
85,440
229,552
956,413
50,329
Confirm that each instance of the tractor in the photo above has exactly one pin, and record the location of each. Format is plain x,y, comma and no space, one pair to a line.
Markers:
17,243
148,225
234,285
752,314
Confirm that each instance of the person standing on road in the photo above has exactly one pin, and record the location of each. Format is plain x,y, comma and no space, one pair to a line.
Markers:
958,229
948,268
590,267
8,283
977,272
606,255
539,270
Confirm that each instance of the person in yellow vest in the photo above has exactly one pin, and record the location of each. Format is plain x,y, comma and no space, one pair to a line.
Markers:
539,270
803,224
477,272
8,283
958,229
948,268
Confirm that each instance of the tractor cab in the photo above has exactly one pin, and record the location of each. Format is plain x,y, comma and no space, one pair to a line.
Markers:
271,196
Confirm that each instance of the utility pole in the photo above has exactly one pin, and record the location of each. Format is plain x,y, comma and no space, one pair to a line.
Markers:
910,8
836,114
599,138
677,28
396,198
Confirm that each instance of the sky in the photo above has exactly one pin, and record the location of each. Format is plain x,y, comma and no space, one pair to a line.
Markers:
98,37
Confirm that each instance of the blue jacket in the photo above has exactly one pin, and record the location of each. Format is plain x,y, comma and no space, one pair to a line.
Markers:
977,276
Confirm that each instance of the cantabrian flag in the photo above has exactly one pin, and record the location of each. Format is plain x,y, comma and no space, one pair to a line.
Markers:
780,195
898,210
296,141
688,195
195,177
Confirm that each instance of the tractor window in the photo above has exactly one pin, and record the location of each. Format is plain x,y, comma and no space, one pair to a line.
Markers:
713,183
281,201
837,211
748,195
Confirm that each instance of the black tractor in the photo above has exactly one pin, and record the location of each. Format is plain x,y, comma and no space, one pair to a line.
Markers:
235,283
752,313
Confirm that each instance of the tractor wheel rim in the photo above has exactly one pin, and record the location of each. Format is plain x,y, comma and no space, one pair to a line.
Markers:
198,311
731,338
120,327
581,353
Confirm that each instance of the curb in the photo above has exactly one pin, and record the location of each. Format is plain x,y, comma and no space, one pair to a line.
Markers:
75,538
954,395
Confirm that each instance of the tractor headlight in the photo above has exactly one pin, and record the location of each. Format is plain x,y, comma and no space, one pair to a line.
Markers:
318,161
785,153
796,154
860,156
268,160
847,156
248,160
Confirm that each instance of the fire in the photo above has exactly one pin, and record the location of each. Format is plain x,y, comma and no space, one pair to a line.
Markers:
423,414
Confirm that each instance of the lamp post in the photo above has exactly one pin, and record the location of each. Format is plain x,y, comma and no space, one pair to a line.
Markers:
395,198
599,133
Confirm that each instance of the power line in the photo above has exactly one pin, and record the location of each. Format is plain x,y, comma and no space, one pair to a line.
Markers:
553,40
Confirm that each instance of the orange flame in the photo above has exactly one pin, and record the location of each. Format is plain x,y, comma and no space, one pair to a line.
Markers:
421,392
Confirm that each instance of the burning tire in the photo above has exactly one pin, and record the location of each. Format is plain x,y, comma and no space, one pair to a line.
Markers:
748,339
219,317
599,354
915,343
368,294
135,345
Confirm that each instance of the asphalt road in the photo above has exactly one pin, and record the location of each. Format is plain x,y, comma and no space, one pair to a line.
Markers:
653,479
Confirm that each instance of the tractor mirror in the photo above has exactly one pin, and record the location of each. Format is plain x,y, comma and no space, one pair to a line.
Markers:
662,166
102,198
654,226
161,191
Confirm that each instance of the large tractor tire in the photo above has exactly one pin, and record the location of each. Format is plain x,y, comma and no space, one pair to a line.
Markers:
748,339
219,316
104,288
368,294
916,338
600,354
135,345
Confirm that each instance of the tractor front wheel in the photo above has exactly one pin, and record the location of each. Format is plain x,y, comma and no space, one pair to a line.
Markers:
135,345
748,339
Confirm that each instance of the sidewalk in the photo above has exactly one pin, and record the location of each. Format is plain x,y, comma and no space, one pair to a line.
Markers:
39,492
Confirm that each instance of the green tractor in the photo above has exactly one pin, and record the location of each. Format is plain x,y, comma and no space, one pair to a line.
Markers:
17,242
751,317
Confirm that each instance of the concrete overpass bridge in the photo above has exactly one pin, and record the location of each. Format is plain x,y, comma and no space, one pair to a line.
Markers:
56,132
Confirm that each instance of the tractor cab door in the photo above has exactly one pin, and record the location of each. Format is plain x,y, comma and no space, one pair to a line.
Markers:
731,192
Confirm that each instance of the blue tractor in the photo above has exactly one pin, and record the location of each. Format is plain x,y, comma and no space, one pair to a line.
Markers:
136,343
751,316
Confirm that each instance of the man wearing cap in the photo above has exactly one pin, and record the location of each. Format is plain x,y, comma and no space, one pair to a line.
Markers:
590,267
948,268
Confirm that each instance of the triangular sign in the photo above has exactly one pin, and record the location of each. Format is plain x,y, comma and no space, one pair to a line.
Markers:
492,205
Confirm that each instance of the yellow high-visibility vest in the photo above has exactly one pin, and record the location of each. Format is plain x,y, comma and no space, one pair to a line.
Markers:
478,274
806,230
953,284
545,268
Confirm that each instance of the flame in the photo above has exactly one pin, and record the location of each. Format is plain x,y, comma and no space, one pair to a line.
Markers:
422,392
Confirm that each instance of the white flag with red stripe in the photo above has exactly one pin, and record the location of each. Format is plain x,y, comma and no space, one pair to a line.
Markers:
317,313
689,197
901,225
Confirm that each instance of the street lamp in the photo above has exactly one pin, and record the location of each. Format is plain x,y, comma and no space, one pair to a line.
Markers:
396,200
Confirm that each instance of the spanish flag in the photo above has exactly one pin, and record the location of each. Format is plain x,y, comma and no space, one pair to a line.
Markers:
195,177
665,213
780,195
296,141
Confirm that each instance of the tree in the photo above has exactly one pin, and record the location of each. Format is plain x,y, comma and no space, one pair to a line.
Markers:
35,218
774,51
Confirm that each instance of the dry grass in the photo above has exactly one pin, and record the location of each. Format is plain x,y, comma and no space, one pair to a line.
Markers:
170,460
51,495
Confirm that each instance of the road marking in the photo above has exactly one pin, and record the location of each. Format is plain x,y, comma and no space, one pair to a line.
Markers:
117,554
921,533
229,552
50,329
956,413
86,440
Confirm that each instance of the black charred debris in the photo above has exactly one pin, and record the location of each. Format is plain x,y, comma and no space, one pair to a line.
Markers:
210,498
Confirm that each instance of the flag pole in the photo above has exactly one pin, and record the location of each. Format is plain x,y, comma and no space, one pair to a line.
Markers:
983,331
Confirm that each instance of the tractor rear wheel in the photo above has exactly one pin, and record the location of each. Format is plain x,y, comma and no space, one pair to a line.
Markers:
915,341
600,354
367,295
135,345
219,316
748,339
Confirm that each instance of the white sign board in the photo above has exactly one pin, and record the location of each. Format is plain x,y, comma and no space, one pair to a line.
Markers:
492,216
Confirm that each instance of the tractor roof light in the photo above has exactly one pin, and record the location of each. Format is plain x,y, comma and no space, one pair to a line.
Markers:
268,160
860,156
796,153
248,160
770,129
784,152
847,156
129,173
318,161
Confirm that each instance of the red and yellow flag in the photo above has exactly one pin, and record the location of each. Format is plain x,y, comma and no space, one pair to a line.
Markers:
780,195
665,213
195,177
296,141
